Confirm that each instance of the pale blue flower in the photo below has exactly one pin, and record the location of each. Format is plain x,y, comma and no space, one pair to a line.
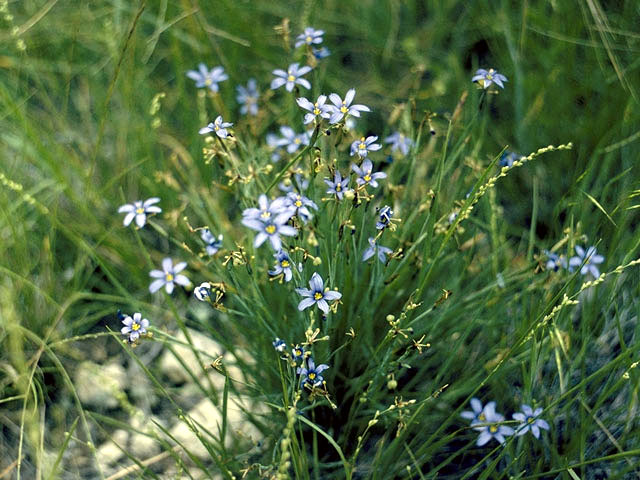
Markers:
317,109
248,97
588,260
311,375
363,146
134,327
291,140
218,126
298,354
168,276
341,107
320,53
139,210
203,291
205,78
279,345
291,77
339,186
270,227
486,77
385,214
310,36
490,427
507,158
399,141
529,421
365,177
213,244
283,266
317,295
554,261
477,414
300,205
373,249
268,210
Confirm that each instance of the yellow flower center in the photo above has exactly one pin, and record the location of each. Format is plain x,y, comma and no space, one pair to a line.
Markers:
338,187
284,263
297,141
308,39
312,375
216,127
530,420
271,229
297,352
139,210
208,82
316,111
317,296
169,277
265,214
367,178
344,109
291,78
135,327
298,203
481,417
493,429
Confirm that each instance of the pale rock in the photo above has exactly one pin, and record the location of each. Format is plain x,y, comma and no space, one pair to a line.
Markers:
100,385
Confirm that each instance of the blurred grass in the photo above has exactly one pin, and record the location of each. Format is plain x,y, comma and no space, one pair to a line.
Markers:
76,141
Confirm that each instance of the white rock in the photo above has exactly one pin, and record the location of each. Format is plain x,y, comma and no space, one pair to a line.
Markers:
207,417
208,350
99,385
112,450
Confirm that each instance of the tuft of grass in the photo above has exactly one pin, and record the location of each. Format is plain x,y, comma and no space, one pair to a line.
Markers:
96,111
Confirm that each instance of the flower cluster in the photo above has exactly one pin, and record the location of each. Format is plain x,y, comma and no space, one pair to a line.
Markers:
489,423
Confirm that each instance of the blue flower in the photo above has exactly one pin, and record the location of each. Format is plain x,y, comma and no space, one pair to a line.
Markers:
320,53
134,327
248,97
310,36
218,126
339,186
478,415
529,421
490,428
375,248
279,345
486,78
267,210
206,78
507,158
363,146
588,260
385,215
298,354
299,204
399,142
291,77
341,107
365,177
269,221
283,266
311,375
317,295
317,109
139,210
168,276
292,140
213,244
554,261
203,292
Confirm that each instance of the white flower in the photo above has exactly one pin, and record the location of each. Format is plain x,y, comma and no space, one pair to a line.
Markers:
168,276
139,210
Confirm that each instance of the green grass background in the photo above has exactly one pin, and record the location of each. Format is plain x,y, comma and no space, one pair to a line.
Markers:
76,141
